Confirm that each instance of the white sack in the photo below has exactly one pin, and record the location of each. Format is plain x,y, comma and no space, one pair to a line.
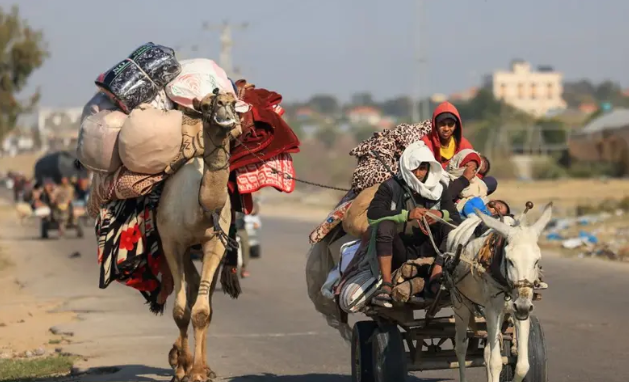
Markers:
150,139
97,146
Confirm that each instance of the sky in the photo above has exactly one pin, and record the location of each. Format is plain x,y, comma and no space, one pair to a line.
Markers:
340,47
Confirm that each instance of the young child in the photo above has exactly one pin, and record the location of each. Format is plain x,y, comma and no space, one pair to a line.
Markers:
491,208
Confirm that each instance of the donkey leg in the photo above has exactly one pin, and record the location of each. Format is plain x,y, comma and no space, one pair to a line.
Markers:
462,316
179,356
522,366
493,356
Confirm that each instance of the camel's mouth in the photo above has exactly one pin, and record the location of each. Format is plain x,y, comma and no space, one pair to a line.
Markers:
225,122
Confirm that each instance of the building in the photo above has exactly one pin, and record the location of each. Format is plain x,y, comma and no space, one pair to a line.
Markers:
534,92
605,139
59,127
367,115
465,95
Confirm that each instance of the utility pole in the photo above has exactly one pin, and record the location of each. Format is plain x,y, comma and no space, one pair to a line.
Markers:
225,56
420,109
416,78
423,60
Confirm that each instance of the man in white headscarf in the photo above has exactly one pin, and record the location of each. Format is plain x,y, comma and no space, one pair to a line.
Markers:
400,234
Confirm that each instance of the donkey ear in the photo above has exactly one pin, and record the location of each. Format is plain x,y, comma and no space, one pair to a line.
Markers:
542,222
494,223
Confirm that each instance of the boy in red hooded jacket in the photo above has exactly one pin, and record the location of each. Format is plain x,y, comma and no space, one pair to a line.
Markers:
446,138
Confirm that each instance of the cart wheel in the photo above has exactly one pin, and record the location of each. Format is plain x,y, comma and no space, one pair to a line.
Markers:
537,353
507,373
362,361
537,357
389,356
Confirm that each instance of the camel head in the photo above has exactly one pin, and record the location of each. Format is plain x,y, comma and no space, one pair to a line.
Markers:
218,111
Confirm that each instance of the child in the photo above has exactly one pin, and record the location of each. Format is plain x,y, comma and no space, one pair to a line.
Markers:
492,208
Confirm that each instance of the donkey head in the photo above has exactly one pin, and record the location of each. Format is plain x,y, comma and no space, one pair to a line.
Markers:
521,258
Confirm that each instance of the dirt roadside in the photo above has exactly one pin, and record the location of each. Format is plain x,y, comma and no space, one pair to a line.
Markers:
25,320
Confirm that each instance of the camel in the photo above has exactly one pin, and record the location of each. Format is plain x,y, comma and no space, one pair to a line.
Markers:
194,208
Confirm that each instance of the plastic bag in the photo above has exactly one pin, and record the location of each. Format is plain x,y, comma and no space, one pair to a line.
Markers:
198,78
138,78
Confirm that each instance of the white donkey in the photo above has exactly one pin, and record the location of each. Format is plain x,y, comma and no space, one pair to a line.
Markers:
519,269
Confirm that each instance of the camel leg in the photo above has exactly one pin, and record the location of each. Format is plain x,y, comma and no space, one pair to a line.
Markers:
179,356
462,317
210,374
193,280
522,366
213,252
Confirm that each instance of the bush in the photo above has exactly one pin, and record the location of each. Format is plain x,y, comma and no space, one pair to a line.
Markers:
548,170
593,170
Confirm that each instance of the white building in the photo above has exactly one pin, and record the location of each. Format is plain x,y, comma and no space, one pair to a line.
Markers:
534,92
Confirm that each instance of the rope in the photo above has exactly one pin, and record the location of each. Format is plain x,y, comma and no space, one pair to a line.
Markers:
288,176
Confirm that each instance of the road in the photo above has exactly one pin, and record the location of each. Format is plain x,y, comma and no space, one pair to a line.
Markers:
272,333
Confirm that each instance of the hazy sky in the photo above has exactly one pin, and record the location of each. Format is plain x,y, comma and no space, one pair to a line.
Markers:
300,47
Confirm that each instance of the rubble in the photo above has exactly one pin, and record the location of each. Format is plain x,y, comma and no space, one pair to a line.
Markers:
596,231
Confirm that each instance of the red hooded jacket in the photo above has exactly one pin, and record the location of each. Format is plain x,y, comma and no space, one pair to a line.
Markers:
432,139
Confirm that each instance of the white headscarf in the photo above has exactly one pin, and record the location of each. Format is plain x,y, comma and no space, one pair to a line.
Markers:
414,155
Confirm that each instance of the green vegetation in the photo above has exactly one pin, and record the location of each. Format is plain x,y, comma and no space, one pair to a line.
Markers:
23,370
22,51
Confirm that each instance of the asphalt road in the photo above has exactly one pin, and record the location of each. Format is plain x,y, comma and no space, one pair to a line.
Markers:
272,333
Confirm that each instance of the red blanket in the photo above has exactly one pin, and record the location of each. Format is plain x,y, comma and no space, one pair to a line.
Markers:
261,156
265,133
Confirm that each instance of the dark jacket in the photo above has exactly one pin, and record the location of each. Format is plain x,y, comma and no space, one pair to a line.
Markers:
457,186
390,201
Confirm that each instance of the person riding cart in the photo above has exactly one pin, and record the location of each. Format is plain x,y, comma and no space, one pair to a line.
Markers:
405,222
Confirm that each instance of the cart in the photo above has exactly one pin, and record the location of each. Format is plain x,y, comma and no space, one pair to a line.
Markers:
55,218
393,343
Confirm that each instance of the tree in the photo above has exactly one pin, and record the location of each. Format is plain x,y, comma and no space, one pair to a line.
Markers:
363,99
22,51
327,135
398,107
324,104
363,132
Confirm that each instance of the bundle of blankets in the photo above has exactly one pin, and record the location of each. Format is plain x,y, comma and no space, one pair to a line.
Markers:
139,128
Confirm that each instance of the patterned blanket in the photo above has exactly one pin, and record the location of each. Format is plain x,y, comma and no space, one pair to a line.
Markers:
389,144
129,248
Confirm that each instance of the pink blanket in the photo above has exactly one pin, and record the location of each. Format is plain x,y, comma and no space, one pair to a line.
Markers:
252,177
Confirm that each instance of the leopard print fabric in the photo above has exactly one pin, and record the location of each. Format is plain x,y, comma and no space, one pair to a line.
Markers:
390,144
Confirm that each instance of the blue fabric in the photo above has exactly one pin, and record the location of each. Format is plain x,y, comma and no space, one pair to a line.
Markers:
476,202
234,85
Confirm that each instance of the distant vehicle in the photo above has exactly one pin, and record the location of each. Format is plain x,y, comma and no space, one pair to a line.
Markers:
54,219
252,225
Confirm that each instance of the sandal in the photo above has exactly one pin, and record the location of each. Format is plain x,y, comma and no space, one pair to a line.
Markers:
382,297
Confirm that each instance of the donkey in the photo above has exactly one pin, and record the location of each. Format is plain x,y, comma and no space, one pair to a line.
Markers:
509,289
